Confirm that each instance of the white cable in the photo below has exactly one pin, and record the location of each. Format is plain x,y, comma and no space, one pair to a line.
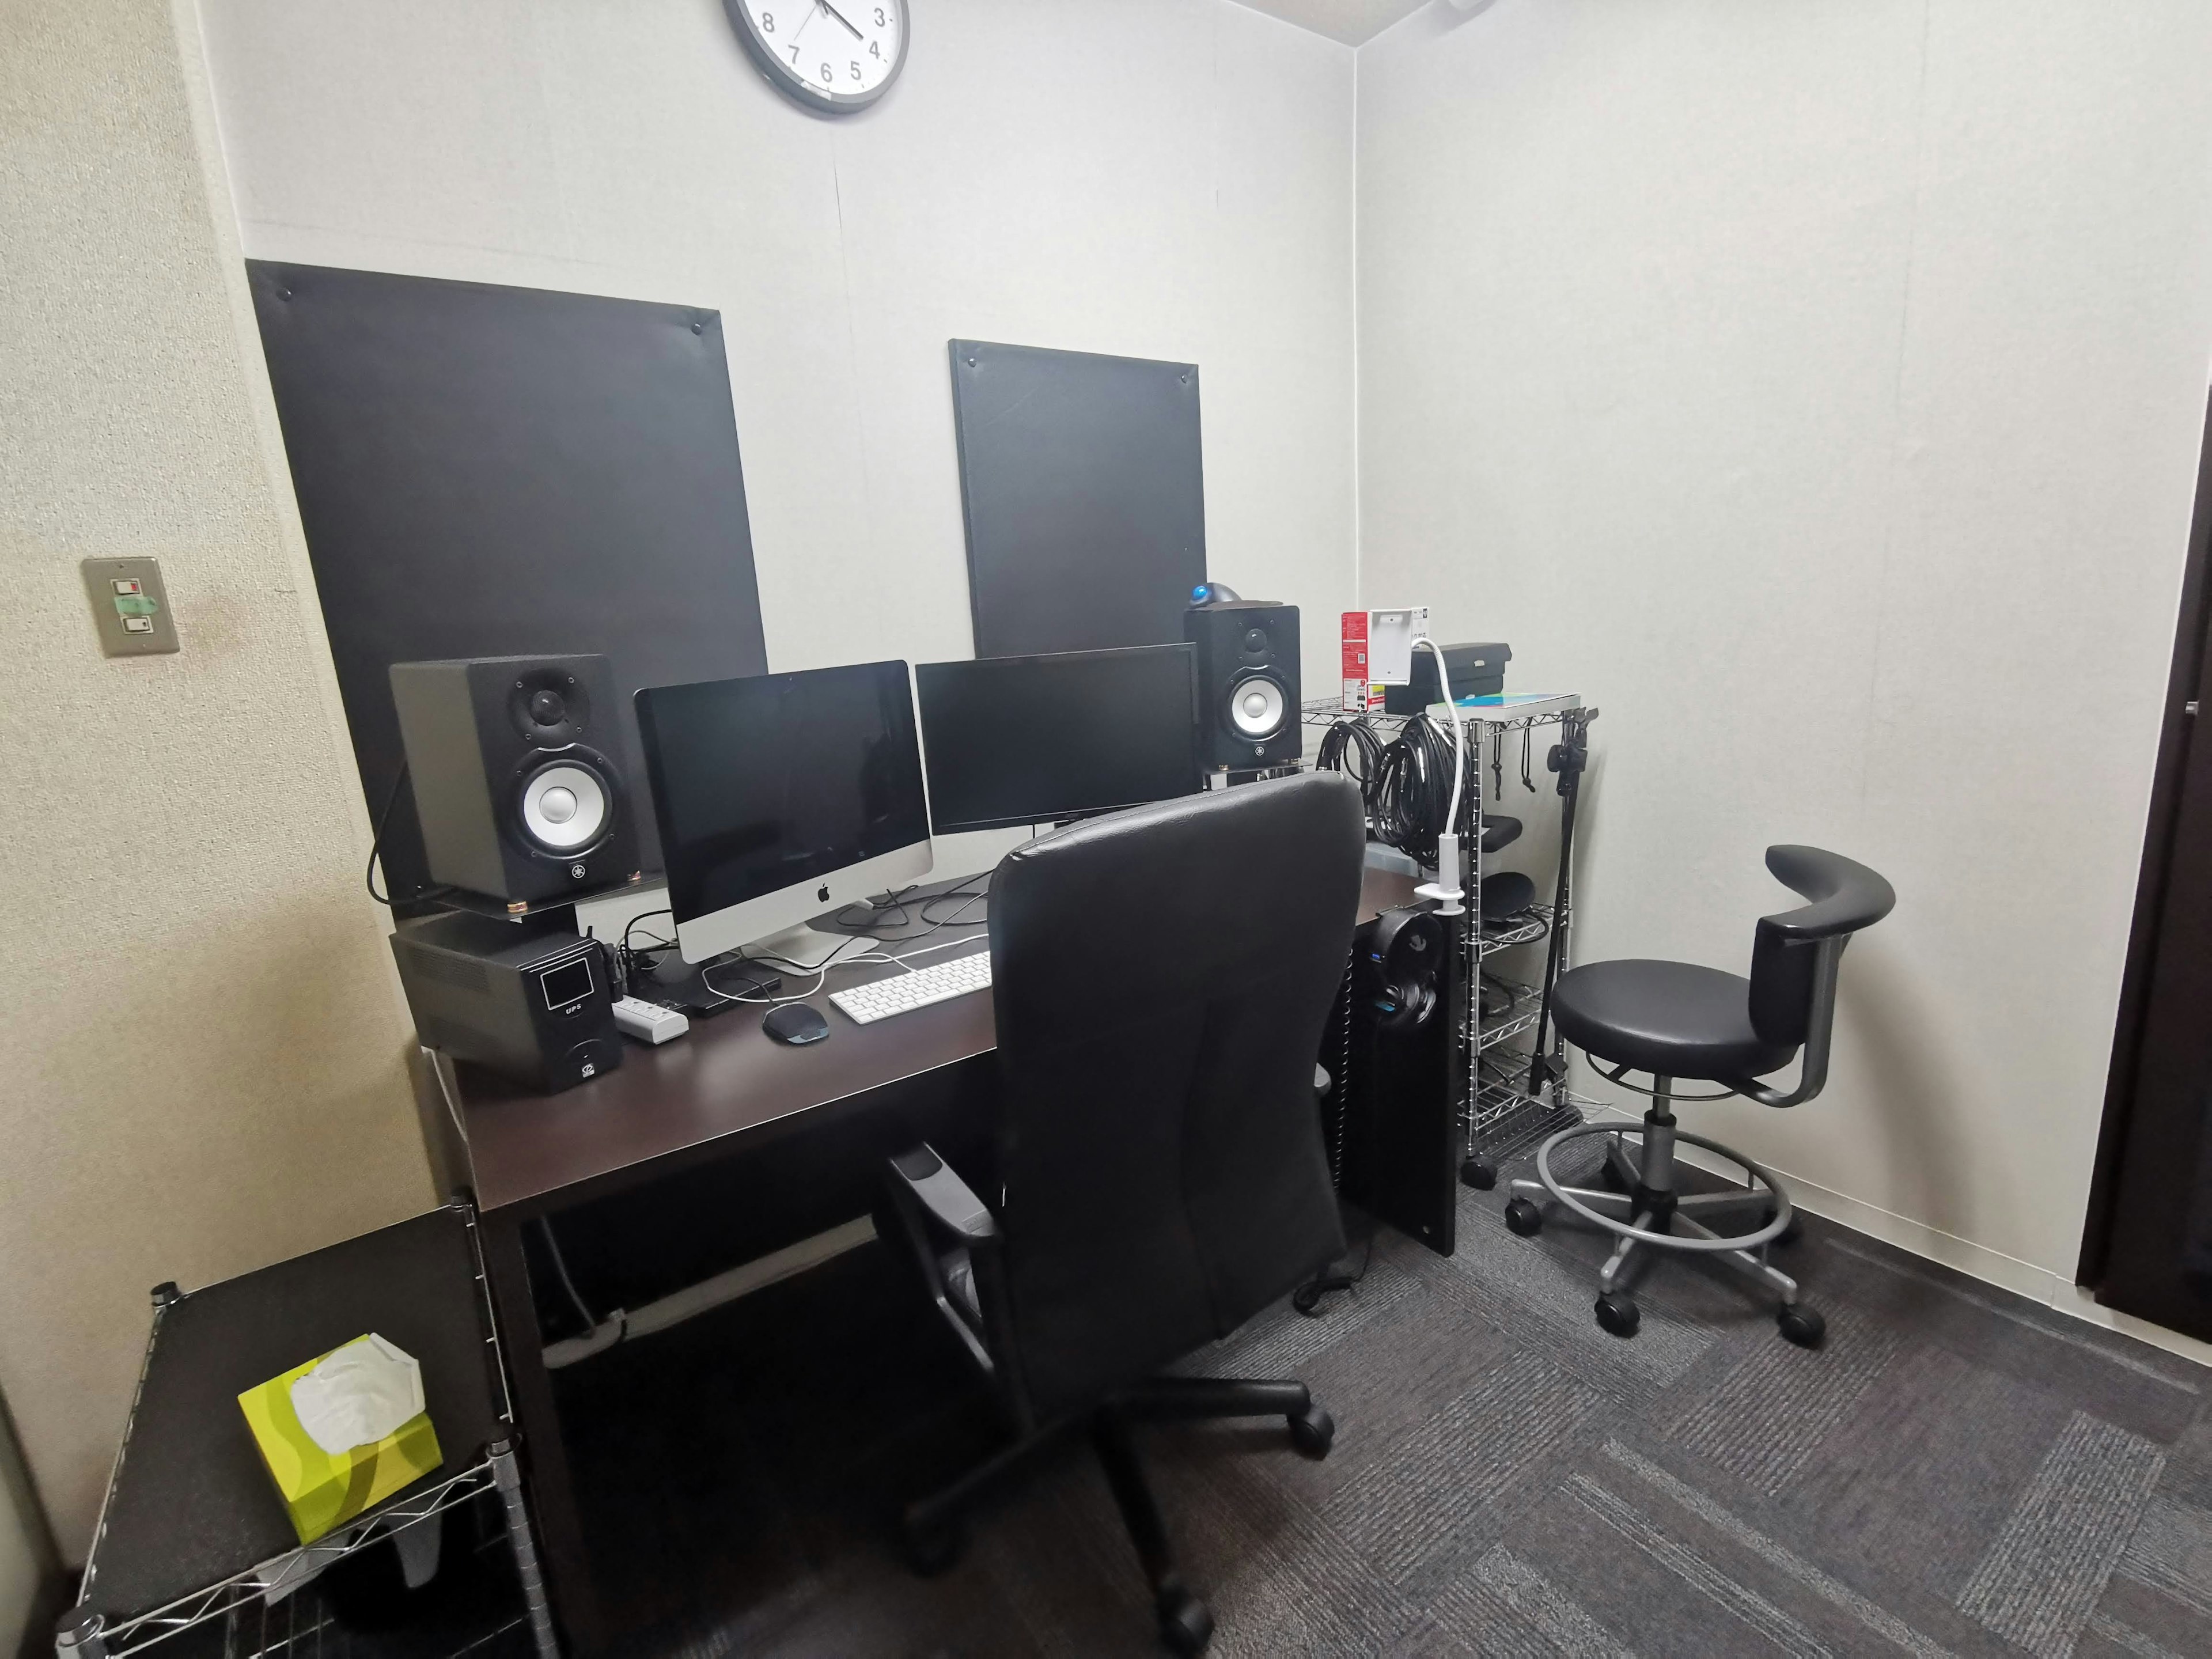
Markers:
1459,740
1448,849
944,945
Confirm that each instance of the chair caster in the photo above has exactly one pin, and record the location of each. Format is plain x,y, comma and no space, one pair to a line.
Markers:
1186,1626
1789,1234
1524,1217
1313,1432
1478,1172
932,1547
1618,1314
1307,1299
1801,1324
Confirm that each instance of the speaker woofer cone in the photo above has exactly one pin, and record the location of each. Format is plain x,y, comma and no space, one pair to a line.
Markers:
1257,707
566,808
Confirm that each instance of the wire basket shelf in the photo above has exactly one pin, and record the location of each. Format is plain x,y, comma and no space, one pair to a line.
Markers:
1526,928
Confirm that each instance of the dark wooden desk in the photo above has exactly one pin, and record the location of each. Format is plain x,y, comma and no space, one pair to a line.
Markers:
725,1091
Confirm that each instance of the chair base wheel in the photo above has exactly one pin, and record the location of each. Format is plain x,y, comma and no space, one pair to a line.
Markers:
1802,1326
1313,1432
1618,1314
1524,1217
1186,1626
1306,1299
1478,1172
931,1549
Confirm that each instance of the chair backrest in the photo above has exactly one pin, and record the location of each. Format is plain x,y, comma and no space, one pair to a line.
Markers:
1786,957
1161,979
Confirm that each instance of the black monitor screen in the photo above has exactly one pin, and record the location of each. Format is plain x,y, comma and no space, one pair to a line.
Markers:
765,783
1031,739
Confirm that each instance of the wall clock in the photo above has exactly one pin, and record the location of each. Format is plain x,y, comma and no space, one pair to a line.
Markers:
831,56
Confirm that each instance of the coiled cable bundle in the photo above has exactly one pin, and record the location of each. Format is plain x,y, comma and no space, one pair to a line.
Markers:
1344,743
1406,783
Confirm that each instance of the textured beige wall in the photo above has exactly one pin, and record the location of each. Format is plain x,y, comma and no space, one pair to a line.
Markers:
201,1048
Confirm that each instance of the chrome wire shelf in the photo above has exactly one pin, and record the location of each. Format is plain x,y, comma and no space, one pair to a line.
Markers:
1507,1118
1528,1001
1481,723
1526,928
273,1581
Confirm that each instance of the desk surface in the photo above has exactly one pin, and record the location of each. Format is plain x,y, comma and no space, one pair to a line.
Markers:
725,1078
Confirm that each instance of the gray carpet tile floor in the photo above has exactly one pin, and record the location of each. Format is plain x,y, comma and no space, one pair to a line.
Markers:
1957,1472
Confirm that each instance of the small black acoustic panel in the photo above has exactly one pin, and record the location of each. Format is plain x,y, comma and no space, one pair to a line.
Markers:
487,471
1084,495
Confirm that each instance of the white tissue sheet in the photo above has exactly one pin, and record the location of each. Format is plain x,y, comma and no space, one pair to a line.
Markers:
357,1394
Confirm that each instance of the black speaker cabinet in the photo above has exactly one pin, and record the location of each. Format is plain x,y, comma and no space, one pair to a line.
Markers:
1393,1053
513,786
1248,683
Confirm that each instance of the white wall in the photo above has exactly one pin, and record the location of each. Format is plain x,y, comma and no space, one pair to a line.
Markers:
204,1057
1817,389
1156,178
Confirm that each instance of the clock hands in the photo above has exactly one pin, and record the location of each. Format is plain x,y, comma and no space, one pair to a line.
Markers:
841,18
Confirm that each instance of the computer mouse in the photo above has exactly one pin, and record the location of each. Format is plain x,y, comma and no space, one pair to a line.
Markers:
796,1023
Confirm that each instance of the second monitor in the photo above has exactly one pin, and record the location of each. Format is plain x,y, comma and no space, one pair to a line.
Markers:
1016,740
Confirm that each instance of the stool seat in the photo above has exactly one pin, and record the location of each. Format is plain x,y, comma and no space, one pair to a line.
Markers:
1673,1019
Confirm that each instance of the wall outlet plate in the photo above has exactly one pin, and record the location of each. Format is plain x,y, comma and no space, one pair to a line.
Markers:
130,607
1390,636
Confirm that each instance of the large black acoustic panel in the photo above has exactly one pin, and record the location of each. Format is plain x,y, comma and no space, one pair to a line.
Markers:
494,471
1084,495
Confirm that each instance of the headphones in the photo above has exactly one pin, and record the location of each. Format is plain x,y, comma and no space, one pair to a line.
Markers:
1406,958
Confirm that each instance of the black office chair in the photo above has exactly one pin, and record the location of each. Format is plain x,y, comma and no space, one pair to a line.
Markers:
1677,1021
1161,977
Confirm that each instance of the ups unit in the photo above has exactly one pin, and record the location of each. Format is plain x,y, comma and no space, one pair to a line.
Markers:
528,1002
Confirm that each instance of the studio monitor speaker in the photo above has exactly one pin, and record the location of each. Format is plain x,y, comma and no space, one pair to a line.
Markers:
513,787
1248,683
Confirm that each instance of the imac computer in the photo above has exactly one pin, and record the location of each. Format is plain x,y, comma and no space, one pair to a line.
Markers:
782,796
1015,740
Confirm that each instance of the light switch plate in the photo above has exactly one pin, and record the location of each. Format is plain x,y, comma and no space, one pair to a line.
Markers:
130,607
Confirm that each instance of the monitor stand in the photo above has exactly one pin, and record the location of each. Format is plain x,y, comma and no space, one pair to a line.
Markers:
795,949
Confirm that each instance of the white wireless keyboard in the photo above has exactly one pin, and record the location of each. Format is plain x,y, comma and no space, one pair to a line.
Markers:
902,994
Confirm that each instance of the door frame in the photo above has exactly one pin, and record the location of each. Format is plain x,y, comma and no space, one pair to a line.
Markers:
2192,639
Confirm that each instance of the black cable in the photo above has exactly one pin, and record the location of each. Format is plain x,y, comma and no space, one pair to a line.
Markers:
376,841
958,918
1413,789
877,921
1341,742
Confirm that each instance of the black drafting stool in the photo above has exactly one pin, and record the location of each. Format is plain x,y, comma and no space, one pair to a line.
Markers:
1161,977
1677,1021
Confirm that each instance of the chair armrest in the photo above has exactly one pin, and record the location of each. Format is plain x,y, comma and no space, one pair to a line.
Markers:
941,1198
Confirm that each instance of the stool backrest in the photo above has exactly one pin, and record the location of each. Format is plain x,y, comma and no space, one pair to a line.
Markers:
1787,982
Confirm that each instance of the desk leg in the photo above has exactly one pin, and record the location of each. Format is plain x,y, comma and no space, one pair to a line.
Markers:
575,1592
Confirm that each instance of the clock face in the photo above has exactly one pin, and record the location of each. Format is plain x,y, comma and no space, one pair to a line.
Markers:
832,56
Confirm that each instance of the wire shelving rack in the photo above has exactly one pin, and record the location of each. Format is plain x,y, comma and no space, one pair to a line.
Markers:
1506,1100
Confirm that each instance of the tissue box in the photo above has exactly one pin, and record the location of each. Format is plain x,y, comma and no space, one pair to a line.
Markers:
324,1489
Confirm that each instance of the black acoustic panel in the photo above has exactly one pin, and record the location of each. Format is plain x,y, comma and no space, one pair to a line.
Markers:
1084,494
492,471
